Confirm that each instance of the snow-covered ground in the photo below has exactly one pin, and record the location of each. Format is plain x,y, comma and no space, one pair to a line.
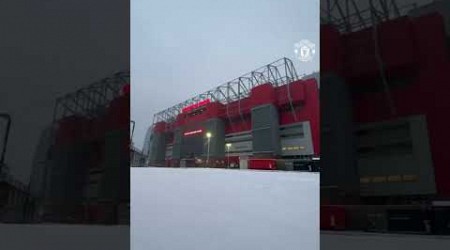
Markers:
67,237
215,209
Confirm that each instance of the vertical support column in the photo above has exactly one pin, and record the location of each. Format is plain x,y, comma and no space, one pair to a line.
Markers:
157,155
178,140
216,127
158,149
337,140
265,131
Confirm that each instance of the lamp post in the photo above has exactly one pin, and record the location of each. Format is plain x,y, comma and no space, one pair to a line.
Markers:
208,135
228,145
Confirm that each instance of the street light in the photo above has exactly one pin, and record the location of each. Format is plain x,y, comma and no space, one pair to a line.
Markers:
228,145
208,135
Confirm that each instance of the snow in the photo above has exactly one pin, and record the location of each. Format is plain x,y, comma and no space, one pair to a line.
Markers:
215,209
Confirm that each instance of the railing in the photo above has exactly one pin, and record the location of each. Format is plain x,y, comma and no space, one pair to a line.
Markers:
351,15
91,100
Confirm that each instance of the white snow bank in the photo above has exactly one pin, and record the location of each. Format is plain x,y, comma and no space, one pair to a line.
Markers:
215,209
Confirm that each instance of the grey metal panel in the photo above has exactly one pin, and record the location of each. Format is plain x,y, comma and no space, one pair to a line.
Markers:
77,172
296,130
238,133
41,164
158,148
192,145
67,173
93,187
265,130
216,127
242,146
338,151
297,140
55,191
399,148
240,143
296,146
178,140
442,7
115,181
146,146
243,137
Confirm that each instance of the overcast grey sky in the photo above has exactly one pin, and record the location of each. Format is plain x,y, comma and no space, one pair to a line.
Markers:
183,48
47,49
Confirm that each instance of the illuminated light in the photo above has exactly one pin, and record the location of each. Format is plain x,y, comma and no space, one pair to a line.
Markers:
193,132
390,178
208,135
394,178
379,179
194,106
291,148
410,178
228,145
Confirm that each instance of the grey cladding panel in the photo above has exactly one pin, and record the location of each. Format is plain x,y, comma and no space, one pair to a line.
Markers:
192,146
265,130
217,143
178,140
395,158
440,6
296,139
338,154
158,148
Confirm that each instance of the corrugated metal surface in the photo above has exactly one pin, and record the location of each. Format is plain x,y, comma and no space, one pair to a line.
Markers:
178,140
296,140
338,144
216,127
395,158
240,144
157,148
265,130
115,184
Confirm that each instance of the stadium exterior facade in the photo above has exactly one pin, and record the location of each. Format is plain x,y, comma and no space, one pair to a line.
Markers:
266,119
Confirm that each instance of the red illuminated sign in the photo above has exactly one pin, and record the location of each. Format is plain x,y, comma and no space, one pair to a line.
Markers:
193,132
195,105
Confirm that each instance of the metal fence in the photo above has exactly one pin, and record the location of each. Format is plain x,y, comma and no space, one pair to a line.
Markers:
351,15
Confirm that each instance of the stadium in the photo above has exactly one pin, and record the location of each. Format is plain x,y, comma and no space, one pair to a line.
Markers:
265,119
